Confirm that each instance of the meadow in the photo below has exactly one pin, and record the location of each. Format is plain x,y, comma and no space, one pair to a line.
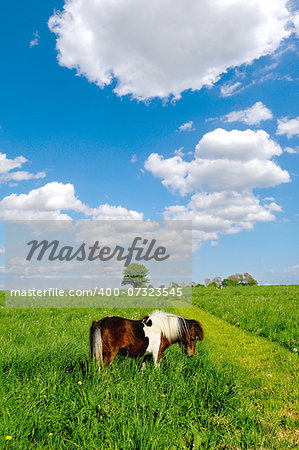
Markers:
269,311
239,391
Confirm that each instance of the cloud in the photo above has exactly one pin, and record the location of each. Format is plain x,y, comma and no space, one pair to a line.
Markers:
133,159
52,201
226,212
227,166
21,175
292,151
162,48
104,212
294,268
179,151
296,23
223,160
287,126
188,126
6,165
35,41
251,116
229,89
44,203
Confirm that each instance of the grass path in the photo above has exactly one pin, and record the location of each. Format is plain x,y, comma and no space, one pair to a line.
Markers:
267,371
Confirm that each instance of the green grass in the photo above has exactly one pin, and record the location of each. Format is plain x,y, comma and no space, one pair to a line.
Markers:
270,311
267,374
51,397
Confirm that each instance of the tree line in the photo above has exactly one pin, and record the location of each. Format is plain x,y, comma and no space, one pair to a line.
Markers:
238,279
137,275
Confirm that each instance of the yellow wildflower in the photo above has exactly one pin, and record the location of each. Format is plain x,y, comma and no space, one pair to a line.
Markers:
8,438
80,383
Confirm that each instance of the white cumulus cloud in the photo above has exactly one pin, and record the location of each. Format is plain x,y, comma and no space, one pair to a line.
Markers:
251,116
44,203
7,165
223,160
287,126
225,212
104,212
163,47
227,166
52,201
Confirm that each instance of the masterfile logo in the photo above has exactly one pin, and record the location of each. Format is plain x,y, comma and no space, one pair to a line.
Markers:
95,263
54,251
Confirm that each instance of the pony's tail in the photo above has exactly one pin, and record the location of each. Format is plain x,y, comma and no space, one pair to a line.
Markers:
96,343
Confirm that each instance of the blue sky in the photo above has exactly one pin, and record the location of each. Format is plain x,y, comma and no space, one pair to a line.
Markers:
89,140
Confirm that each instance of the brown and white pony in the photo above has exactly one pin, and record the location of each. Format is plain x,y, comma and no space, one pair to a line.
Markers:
149,336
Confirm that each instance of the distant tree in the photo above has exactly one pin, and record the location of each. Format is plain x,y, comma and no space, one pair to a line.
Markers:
212,284
208,281
174,285
218,281
237,278
199,285
244,279
249,280
136,275
226,282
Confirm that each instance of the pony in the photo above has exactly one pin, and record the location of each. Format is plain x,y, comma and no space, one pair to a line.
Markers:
148,337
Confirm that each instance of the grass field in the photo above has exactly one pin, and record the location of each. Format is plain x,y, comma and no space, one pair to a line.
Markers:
264,310
239,391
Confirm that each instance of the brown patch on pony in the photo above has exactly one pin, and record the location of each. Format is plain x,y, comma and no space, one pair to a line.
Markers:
116,334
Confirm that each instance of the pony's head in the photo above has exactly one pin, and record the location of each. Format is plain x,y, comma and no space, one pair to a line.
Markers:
193,332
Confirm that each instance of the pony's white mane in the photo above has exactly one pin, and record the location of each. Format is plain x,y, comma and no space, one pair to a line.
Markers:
170,325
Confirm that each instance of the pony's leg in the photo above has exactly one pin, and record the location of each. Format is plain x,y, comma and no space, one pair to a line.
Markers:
164,344
146,358
154,345
109,357
156,357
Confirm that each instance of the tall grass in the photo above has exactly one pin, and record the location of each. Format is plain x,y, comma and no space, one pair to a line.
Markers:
270,311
